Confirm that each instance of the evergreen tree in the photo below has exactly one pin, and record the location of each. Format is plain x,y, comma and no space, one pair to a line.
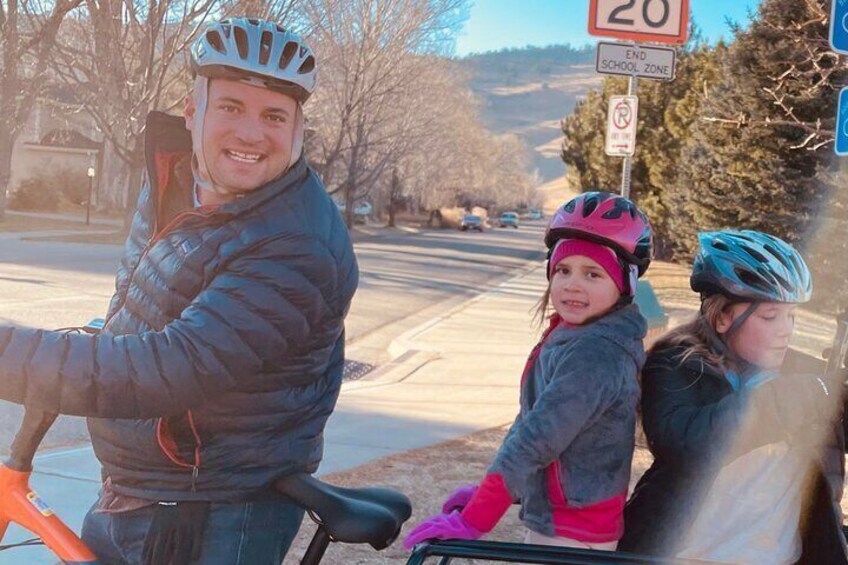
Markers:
746,164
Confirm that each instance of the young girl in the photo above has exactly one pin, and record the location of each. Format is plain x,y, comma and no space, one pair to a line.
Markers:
748,452
567,455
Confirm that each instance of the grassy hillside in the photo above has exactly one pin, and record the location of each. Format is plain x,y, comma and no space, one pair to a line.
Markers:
528,91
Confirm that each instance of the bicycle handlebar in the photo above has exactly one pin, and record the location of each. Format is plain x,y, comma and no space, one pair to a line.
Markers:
33,428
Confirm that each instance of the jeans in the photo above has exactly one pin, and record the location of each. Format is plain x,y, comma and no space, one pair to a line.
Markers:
252,533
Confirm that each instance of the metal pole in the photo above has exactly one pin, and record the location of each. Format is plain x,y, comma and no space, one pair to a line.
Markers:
88,203
628,161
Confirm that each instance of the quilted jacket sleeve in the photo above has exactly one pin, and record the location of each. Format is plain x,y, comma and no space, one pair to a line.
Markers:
255,313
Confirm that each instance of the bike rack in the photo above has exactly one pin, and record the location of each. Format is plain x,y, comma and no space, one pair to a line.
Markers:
535,554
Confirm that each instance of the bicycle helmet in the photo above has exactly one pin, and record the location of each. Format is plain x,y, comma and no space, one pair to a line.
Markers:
608,219
247,48
750,266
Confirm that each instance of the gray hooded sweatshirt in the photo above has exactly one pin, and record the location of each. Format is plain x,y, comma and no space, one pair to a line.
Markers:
572,443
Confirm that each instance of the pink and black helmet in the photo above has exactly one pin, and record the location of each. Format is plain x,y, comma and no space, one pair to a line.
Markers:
607,219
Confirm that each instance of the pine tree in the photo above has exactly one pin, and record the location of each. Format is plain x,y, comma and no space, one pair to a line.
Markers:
746,164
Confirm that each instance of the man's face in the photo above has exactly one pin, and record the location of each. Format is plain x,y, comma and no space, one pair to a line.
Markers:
247,134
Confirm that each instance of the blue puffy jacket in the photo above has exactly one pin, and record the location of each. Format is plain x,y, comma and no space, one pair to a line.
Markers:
222,355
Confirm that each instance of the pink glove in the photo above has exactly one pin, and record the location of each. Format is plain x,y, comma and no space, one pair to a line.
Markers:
443,526
458,499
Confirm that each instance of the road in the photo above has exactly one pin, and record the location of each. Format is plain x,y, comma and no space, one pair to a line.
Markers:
406,278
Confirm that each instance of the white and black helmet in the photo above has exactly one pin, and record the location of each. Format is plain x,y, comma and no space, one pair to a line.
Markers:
259,50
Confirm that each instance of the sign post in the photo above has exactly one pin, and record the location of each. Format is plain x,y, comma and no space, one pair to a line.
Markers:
658,21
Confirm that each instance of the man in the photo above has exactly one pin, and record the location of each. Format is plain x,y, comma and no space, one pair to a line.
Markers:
221,358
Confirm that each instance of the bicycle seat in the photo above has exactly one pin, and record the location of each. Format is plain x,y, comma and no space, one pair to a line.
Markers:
350,515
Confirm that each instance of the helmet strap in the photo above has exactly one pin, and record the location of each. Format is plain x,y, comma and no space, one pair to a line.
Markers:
720,343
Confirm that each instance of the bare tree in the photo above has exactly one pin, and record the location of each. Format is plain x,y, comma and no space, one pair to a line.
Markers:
370,53
27,32
124,58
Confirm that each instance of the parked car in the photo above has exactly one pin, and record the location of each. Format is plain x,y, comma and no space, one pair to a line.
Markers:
535,215
471,222
360,212
508,220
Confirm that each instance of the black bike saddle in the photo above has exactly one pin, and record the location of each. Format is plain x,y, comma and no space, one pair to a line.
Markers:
350,515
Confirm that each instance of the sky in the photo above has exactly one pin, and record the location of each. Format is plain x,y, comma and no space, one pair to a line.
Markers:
495,24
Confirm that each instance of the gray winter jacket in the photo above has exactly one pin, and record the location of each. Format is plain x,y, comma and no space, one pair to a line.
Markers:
577,417
223,351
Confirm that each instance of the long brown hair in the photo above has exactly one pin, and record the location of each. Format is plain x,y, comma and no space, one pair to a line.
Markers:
542,306
693,336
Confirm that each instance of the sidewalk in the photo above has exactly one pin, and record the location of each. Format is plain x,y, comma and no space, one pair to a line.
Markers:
450,377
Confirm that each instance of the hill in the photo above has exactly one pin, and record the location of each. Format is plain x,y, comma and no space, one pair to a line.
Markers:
528,91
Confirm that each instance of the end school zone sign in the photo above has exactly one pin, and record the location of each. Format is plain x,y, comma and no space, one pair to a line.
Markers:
635,61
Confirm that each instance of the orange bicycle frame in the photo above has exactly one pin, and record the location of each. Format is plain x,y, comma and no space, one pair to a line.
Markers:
20,505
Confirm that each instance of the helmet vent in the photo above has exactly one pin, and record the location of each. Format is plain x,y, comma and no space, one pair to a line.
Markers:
570,206
289,52
215,41
754,253
253,21
779,255
307,67
590,206
226,28
265,47
784,283
751,279
720,245
799,267
241,41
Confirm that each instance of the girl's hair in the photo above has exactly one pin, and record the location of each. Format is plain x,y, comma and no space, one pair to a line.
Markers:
694,336
541,315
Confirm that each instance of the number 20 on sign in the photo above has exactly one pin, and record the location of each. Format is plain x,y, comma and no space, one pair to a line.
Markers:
661,21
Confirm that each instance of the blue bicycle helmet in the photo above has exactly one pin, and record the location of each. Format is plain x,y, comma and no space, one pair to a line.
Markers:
750,266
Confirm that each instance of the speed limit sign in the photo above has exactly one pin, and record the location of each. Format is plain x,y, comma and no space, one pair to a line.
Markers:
662,21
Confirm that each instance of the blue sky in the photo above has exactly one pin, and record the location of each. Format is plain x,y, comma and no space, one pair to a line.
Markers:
494,24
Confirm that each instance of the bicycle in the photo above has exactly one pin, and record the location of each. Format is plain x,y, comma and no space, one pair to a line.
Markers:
369,515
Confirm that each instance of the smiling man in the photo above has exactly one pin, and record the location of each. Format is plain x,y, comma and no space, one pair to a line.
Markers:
222,354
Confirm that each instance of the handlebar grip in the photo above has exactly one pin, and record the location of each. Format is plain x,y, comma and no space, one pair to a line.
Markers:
30,435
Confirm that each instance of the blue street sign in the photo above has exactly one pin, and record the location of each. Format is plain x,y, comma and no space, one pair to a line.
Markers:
839,26
841,145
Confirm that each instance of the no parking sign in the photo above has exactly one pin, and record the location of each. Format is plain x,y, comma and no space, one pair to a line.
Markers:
621,126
